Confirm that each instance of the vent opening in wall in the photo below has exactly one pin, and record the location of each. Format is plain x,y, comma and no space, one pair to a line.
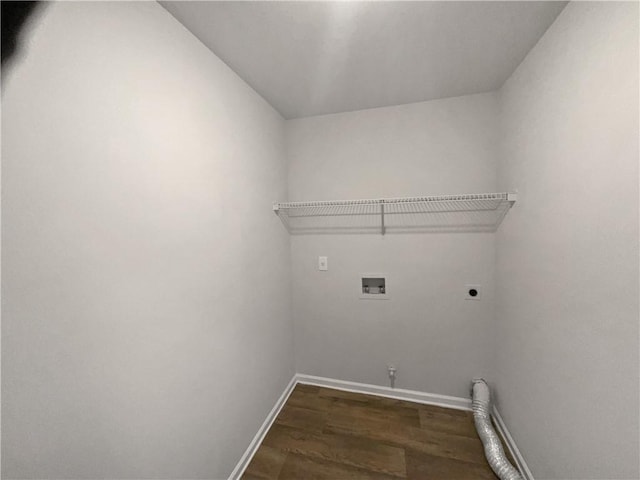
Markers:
373,287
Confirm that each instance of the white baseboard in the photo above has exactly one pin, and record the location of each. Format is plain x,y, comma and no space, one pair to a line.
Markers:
511,445
396,393
262,431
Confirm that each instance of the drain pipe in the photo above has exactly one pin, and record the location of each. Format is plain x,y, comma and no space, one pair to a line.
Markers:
492,446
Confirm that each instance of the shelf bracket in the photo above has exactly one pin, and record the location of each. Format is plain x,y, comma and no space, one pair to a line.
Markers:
382,217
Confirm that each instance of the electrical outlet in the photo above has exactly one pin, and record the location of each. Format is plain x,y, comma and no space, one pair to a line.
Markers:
323,263
472,292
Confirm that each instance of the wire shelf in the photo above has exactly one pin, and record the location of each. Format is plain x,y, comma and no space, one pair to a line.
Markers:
446,213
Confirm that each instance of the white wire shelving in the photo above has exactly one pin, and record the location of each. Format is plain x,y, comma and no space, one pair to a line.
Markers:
445,213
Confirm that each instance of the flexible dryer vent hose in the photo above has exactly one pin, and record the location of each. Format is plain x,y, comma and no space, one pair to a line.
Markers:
492,447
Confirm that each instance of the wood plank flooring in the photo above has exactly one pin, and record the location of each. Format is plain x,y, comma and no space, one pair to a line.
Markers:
328,434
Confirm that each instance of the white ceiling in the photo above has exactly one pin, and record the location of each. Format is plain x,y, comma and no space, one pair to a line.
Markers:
312,58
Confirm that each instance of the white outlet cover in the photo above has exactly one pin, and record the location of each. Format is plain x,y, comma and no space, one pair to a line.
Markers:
323,263
468,290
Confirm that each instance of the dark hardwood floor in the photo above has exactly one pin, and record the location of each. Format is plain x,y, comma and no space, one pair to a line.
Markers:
329,434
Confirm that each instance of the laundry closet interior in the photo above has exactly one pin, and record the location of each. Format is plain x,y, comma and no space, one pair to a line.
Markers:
289,240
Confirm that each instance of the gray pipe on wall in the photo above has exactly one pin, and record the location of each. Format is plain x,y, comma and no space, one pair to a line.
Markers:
492,446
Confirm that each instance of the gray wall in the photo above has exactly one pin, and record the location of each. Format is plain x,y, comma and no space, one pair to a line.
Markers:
146,314
436,339
567,269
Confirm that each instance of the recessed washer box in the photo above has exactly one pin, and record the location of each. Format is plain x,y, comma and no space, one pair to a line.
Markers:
374,286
